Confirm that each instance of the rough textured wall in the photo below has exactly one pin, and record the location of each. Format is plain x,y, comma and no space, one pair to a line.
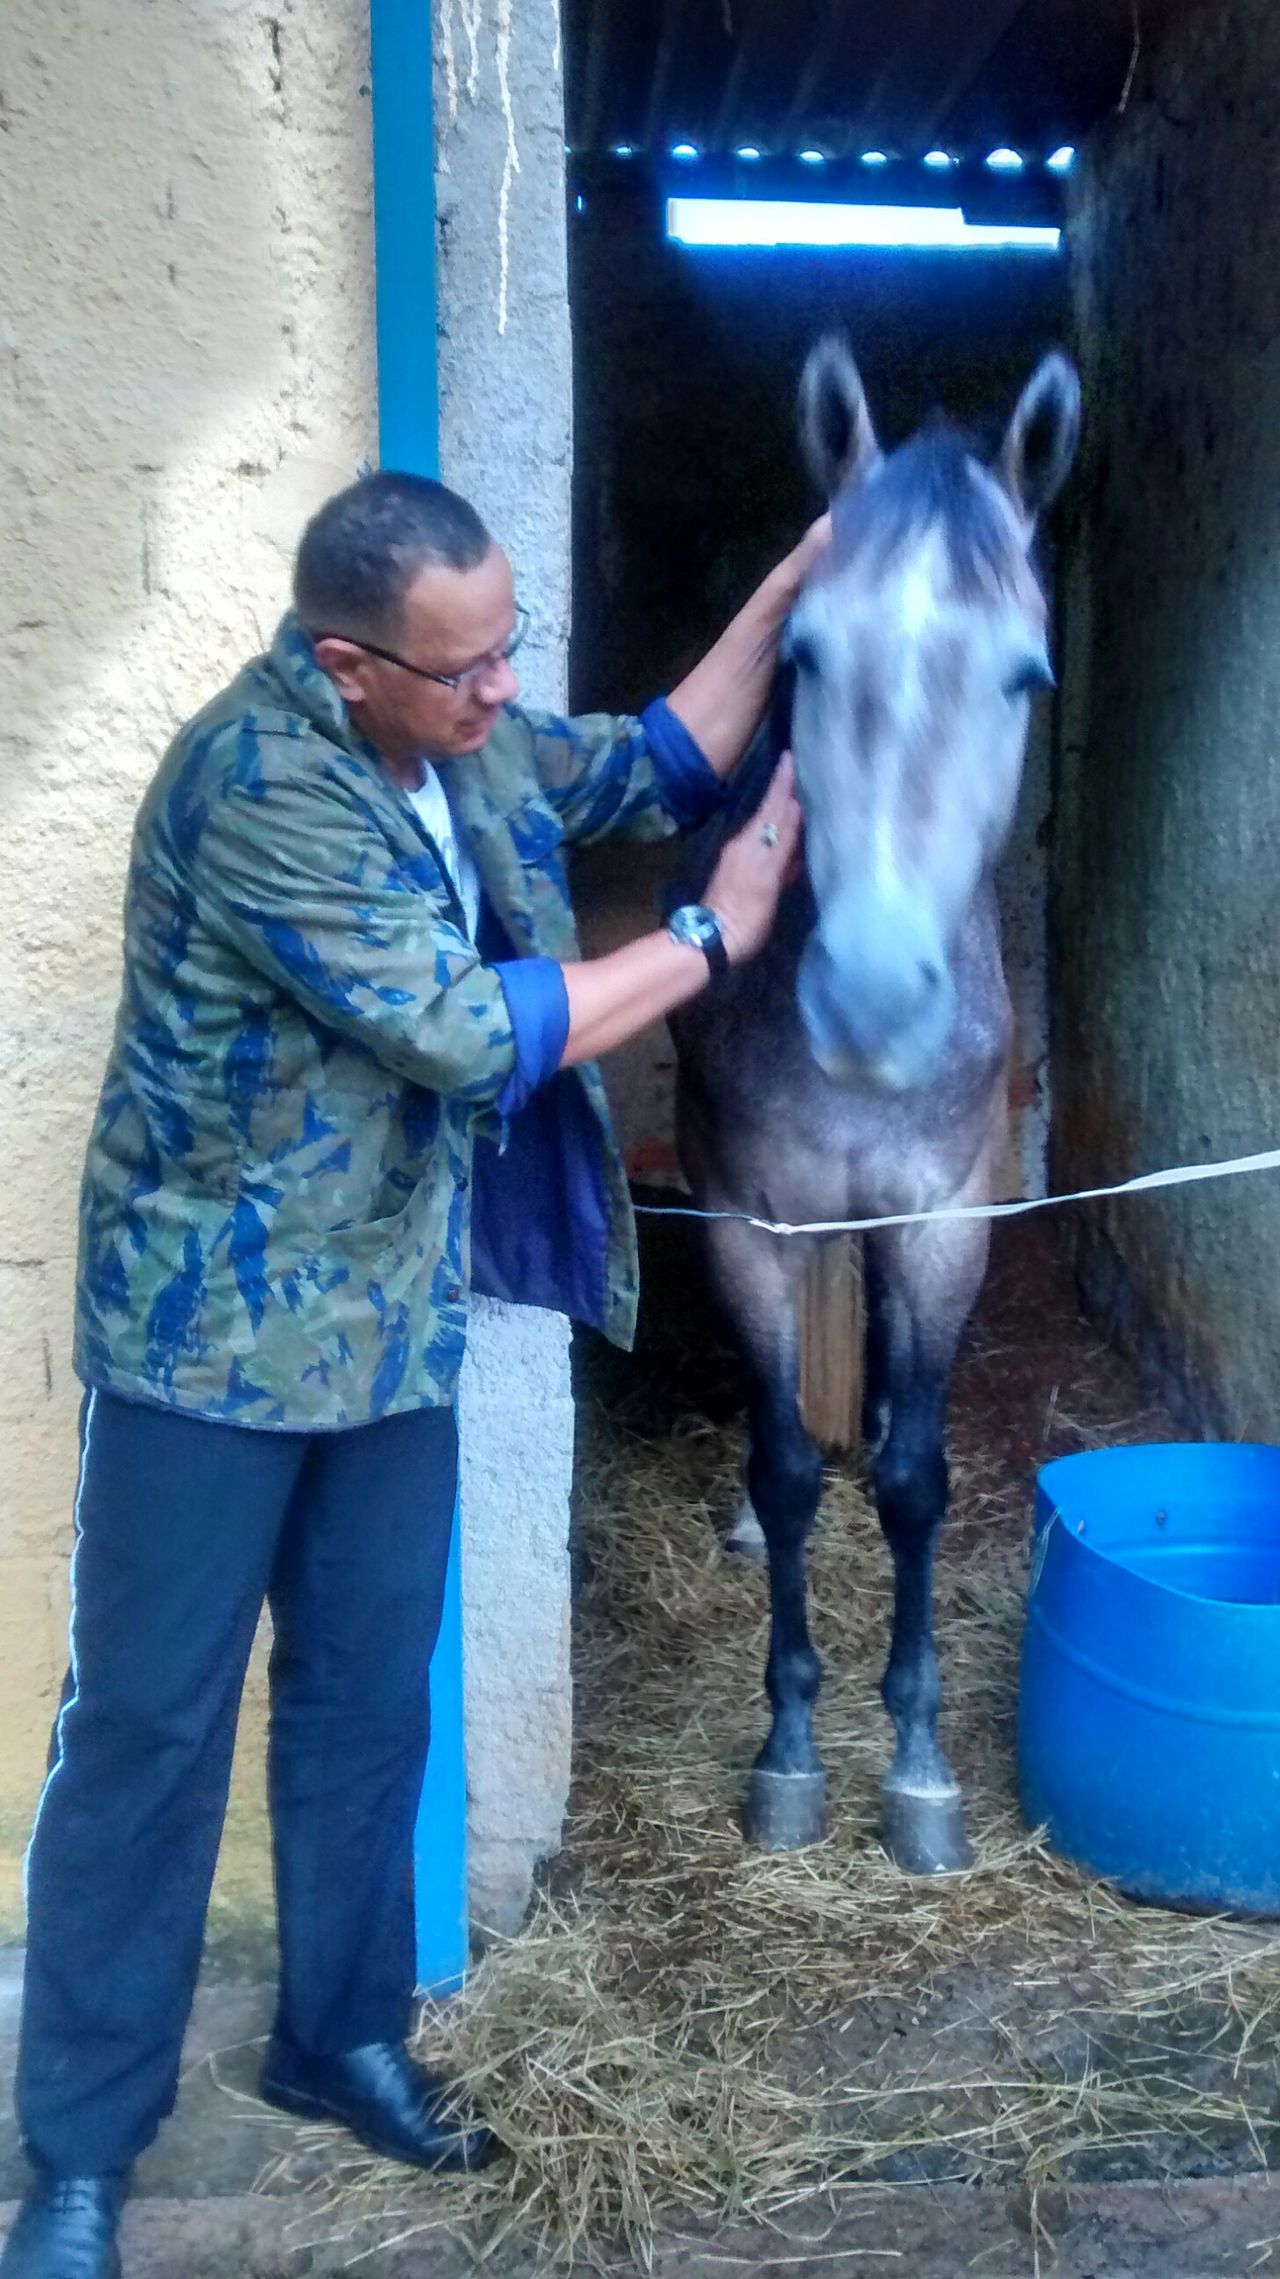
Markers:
186,369
689,483
505,386
1168,832
186,366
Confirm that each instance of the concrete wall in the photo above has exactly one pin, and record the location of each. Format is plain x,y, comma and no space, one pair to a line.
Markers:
1167,955
689,484
186,369
186,365
506,392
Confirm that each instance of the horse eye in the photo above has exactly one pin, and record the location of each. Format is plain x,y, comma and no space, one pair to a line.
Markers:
1033,673
801,652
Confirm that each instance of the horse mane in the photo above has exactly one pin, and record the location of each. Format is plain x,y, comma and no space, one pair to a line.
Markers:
927,484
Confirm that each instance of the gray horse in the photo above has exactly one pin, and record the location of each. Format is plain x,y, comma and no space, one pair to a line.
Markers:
858,1067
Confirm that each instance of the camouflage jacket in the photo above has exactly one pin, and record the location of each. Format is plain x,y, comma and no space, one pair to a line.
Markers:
275,1216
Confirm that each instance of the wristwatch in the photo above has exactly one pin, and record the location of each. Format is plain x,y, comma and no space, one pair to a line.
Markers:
699,928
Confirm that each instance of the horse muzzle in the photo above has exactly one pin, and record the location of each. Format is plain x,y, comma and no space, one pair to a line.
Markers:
877,1004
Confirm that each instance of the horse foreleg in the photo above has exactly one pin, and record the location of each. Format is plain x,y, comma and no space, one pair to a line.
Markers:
877,1374
759,1278
929,1279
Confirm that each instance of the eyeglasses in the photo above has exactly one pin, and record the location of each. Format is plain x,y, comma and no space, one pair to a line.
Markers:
423,672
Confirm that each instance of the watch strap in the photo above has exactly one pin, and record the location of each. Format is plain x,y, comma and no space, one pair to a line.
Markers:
716,949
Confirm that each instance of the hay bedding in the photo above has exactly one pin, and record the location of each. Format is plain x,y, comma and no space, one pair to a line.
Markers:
688,2026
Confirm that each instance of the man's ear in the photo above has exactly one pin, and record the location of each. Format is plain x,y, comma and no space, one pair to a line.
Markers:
344,662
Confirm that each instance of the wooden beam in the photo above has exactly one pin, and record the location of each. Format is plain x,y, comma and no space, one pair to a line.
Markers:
747,43
657,122
933,53
821,55
831,1341
585,130
979,39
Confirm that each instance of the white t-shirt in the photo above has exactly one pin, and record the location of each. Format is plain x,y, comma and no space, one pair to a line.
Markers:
432,808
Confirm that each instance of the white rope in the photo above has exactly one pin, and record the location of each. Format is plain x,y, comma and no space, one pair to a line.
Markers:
1184,1175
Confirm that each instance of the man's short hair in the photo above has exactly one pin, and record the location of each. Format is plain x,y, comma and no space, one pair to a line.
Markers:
361,552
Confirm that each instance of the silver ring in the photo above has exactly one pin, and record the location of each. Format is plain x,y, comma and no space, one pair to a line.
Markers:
770,834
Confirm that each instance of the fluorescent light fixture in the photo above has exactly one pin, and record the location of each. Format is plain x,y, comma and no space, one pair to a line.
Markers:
790,221
938,159
579,204
624,150
747,150
813,157
685,151
1004,161
1063,159
875,157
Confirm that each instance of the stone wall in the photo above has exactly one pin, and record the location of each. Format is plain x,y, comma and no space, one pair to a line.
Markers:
1167,955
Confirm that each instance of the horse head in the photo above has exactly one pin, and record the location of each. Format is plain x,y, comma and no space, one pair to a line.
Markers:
917,645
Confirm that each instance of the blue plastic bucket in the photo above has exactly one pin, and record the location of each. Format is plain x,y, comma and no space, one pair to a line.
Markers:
1149,1715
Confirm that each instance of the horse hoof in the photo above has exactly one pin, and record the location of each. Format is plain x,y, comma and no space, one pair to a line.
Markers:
923,1833
745,1539
785,1811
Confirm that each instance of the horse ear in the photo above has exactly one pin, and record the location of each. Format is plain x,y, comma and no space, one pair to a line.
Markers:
835,425
1035,458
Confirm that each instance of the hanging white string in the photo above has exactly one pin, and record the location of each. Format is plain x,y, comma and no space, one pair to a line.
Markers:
1183,1175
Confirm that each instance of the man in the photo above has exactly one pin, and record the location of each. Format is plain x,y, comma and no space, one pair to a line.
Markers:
351,993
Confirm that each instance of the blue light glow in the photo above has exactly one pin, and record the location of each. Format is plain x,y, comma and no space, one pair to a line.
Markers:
789,221
624,150
875,157
685,151
938,159
1063,159
1004,161
748,150
813,158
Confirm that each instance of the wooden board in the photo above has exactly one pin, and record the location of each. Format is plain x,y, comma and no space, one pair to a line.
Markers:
831,1331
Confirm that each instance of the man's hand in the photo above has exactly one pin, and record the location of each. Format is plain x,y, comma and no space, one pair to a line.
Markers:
803,559
612,998
722,700
746,885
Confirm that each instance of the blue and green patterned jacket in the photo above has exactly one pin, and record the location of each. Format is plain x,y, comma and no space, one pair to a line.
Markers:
313,1067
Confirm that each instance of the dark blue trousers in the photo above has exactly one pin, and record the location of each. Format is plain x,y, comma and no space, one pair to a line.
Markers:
183,1528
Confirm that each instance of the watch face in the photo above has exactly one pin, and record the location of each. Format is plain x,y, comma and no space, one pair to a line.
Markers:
695,925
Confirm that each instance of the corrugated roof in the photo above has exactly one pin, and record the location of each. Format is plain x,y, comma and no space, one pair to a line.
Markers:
843,76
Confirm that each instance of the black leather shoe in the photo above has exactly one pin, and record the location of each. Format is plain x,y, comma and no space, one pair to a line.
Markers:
66,2229
392,2104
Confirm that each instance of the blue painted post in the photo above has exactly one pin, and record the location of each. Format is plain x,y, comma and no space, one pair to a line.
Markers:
404,224
440,1840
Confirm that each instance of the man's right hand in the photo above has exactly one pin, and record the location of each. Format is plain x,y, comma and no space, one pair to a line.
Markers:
746,885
